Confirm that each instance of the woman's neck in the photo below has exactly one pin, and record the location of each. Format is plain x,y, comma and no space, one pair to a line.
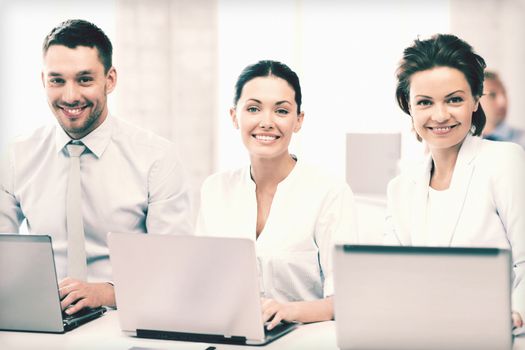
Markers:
267,172
443,164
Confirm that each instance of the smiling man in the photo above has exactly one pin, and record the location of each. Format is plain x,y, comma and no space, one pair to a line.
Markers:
90,174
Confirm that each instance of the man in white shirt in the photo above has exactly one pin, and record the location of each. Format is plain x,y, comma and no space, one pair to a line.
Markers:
130,179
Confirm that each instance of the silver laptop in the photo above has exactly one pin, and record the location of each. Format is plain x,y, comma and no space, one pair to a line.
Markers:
189,288
29,295
422,297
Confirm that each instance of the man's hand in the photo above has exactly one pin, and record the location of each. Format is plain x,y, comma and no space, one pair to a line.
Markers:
76,295
277,312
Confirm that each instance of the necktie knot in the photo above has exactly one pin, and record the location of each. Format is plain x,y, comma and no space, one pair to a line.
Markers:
75,150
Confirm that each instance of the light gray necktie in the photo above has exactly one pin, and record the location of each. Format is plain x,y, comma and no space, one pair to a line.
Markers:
76,247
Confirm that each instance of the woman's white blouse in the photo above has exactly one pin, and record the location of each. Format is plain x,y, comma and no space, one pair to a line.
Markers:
309,212
437,203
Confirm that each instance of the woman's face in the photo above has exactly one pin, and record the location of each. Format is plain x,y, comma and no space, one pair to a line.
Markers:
266,115
441,106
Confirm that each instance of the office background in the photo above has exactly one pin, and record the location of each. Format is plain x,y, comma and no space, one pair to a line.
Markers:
177,62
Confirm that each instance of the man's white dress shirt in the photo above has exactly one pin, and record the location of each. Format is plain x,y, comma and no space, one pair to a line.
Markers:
131,181
309,212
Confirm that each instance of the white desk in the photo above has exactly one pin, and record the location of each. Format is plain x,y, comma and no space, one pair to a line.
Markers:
104,333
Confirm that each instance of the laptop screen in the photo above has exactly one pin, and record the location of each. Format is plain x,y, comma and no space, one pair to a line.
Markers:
28,284
422,297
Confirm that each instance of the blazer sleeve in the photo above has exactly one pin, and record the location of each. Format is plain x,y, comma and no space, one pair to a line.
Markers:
509,194
200,225
389,231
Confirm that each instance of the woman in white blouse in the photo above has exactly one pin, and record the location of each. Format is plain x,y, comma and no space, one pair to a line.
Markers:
293,211
469,191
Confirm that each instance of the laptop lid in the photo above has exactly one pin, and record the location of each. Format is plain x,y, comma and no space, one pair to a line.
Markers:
422,297
187,287
28,284
28,287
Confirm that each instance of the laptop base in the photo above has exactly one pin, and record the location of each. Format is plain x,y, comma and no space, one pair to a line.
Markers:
277,332
85,316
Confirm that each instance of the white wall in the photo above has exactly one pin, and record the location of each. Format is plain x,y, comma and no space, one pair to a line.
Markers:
23,27
249,31
167,64
496,30
345,53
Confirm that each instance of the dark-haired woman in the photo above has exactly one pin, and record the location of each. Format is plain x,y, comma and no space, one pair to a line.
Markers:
469,192
294,212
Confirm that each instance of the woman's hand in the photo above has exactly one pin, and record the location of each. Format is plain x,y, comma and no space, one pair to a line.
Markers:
299,311
517,321
276,312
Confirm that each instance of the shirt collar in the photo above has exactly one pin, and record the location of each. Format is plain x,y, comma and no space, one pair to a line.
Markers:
250,182
96,141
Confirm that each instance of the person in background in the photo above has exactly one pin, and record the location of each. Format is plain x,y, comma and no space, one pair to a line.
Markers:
90,173
294,212
469,192
495,102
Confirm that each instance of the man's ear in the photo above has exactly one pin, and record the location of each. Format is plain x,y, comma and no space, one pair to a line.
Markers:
111,80
233,115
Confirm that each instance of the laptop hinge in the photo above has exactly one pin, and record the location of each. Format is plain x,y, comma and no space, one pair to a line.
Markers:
195,337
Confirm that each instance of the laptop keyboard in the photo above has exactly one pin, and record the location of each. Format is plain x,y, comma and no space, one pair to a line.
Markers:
281,327
81,313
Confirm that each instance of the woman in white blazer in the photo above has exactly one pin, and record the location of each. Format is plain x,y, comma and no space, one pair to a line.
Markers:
468,192
294,212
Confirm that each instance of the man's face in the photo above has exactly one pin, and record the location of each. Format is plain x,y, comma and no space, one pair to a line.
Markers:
494,101
77,88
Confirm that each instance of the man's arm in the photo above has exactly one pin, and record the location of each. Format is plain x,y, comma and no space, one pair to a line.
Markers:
169,205
11,215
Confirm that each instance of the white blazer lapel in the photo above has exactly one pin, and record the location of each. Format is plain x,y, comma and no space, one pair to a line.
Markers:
459,187
419,203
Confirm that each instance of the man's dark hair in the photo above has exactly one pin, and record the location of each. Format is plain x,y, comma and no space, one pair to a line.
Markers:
77,32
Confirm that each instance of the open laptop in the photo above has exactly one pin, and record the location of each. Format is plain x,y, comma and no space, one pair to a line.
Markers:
29,296
422,297
188,288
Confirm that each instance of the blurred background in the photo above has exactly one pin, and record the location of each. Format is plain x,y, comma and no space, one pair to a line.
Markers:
178,60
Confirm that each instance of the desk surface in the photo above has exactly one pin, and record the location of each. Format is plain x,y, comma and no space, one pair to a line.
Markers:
104,333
